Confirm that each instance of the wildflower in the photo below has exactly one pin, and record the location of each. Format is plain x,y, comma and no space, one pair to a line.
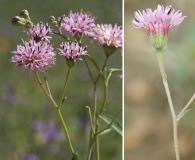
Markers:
77,24
40,32
108,35
34,56
158,24
72,52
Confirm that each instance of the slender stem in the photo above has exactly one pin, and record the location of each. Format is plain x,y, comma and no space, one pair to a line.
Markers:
65,130
180,115
103,67
61,35
64,88
97,146
96,119
89,71
174,117
43,88
47,84
91,120
58,111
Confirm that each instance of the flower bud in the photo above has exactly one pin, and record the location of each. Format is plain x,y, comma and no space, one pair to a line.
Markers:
52,19
18,21
28,25
24,14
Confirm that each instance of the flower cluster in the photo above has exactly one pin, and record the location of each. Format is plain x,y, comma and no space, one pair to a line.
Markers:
72,51
78,23
158,23
34,56
37,54
108,35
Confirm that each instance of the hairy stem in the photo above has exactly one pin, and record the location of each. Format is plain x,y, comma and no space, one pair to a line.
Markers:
174,117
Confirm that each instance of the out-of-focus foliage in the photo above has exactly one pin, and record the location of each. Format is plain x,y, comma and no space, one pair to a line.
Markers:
22,100
148,123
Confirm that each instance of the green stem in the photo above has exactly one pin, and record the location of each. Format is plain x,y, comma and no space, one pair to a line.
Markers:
103,67
96,119
64,88
89,71
65,130
59,114
43,88
174,117
47,84
61,35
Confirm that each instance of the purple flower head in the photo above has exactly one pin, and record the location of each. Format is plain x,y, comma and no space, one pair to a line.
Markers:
72,51
34,56
40,32
78,23
158,23
47,131
108,35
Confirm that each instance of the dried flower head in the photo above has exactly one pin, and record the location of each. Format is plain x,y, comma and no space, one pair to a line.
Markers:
108,35
72,51
40,32
78,23
158,24
34,56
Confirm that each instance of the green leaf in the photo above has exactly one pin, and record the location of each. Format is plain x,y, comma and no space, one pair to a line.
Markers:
110,120
104,132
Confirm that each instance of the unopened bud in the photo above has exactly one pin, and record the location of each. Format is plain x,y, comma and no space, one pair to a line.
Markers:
52,19
24,14
18,21
29,25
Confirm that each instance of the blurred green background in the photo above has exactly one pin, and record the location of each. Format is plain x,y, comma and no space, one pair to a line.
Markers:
22,100
148,123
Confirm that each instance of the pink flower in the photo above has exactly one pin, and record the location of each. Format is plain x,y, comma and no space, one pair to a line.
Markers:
78,23
34,56
40,32
158,23
72,51
108,35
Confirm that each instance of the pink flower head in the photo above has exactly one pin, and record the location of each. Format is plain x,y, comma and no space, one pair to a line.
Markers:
78,23
108,35
40,32
34,56
158,23
72,51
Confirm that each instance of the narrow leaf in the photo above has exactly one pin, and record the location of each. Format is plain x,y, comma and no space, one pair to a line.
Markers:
104,132
110,120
